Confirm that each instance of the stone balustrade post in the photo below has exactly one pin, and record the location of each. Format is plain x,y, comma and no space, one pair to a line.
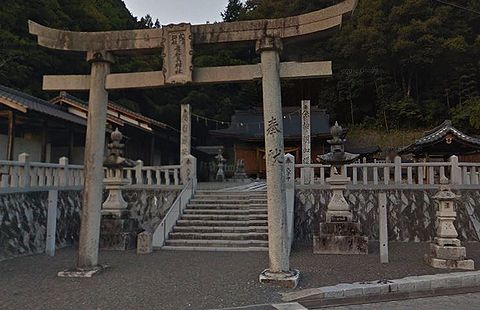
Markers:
455,172
398,170
139,173
64,173
24,159
188,169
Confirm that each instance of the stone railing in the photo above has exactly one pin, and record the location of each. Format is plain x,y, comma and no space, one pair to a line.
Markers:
396,174
156,175
23,174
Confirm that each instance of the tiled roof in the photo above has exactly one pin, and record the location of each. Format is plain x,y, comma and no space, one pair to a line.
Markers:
32,103
441,131
438,134
113,106
249,125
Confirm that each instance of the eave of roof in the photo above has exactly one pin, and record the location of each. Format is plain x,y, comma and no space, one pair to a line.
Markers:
113,106
437,135
25,102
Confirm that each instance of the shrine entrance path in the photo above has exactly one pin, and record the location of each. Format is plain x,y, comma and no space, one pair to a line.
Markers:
190,280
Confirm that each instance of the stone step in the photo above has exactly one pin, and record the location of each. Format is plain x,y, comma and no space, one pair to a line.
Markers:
231,196
212,217
222,229
221,223
233,193
217,236
217,243
225,212
214,249
225,206
228,201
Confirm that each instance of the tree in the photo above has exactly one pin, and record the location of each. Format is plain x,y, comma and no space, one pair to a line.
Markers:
233,10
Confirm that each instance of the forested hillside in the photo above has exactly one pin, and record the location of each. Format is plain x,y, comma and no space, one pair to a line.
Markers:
397,63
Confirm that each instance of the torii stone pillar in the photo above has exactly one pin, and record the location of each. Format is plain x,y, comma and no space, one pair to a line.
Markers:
279,272
94,151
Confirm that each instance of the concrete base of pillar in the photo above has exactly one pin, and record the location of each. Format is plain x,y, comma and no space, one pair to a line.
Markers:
340,238
466,264
82,272
118,234
284,279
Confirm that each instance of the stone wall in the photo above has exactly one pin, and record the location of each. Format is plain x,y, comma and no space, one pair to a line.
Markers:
411,213
149,206
23,222
23,217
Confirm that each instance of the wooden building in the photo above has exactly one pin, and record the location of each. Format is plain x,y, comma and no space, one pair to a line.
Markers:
244,139
442,142
50,130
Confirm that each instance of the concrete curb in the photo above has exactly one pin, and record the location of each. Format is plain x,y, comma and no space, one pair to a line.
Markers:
386,288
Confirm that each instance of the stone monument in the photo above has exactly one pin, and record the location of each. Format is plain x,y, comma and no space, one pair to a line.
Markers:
118,231
220,177
446,251
339,234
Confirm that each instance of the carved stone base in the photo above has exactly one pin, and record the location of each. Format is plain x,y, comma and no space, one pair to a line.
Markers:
448,252
466,264
340,238
284,279
118,234
82,272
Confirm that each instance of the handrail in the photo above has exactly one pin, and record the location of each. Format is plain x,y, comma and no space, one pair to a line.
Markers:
171,217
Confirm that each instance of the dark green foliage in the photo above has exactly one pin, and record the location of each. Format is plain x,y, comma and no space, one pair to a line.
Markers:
397,63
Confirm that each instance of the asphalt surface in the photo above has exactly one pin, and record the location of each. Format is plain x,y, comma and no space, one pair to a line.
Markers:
458,302
190,280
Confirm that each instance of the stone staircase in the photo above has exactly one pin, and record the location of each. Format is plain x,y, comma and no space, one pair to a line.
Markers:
222,221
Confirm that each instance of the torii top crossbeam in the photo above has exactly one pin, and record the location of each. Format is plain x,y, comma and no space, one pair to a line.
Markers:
177,43
118,41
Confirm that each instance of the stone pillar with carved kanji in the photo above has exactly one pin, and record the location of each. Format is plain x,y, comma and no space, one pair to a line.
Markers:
118,231
306,174
279,272
446,251
185,131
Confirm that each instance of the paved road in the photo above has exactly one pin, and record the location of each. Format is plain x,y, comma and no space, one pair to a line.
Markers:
457,302
190,280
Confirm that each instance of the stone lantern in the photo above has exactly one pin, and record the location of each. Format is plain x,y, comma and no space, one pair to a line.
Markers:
446,251
115,162
118,231
339,234
220,177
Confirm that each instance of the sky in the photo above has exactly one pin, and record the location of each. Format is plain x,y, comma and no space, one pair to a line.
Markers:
178,11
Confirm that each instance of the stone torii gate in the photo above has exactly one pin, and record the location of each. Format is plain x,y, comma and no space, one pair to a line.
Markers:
176,43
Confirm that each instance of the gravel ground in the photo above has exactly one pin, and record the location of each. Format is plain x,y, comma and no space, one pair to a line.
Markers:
190,280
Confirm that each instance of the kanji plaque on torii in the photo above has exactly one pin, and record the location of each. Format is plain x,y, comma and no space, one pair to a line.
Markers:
176,43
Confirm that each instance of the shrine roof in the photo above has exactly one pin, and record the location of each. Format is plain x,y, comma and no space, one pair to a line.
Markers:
249,125
23,102
116,114
443,140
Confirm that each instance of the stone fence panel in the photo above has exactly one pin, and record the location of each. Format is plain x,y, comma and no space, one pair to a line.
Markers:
411,213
